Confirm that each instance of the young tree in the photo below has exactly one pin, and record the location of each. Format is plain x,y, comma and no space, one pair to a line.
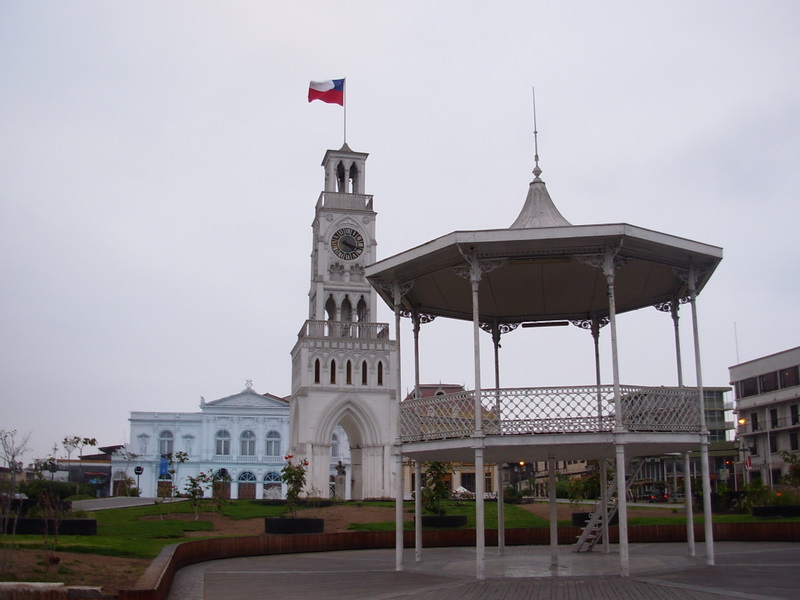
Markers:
176,461
12,447
791,478
435,490
75,442
128,456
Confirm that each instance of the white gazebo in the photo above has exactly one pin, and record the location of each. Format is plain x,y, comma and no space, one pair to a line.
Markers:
544,271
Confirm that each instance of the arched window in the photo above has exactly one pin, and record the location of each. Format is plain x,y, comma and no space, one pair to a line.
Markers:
247,446
166,442
273,447
247,476
353,179
316,371
349,371
380,373
223,443
361,310
335,446
333,371
330,309
347,310
364,373
272,477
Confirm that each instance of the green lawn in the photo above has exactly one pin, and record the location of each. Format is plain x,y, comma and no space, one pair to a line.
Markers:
128,532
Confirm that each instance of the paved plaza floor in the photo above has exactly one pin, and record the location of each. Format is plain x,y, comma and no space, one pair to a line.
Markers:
753,570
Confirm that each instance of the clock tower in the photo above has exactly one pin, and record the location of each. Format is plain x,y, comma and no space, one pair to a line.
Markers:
343,364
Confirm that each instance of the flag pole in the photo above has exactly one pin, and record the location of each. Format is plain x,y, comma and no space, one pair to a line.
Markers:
344,106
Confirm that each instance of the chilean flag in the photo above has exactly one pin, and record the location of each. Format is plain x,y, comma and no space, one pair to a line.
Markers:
331,91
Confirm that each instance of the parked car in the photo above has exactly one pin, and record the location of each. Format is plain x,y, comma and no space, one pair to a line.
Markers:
654,495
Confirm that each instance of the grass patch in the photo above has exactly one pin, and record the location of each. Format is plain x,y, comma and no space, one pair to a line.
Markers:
515,517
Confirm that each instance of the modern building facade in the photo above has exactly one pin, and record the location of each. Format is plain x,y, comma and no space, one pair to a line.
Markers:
768,410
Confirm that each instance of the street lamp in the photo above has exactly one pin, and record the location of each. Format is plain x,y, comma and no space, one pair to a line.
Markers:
138,470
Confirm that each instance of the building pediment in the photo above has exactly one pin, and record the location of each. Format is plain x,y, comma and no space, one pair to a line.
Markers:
249,399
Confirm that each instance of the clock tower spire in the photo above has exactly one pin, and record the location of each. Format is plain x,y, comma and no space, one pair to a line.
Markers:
343,361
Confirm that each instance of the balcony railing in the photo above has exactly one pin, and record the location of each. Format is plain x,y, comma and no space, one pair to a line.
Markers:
769,424
588,409
345,330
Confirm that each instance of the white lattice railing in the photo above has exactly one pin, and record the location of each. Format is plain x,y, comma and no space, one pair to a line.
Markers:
345,329
586,409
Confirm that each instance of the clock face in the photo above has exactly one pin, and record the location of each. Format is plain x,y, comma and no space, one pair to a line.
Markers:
347,243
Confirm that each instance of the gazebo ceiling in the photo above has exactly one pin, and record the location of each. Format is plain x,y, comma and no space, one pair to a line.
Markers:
544,273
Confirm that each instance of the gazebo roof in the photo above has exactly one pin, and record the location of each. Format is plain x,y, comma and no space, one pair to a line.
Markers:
544,273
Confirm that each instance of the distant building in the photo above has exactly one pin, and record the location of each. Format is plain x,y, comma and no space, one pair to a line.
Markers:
244,435
768,409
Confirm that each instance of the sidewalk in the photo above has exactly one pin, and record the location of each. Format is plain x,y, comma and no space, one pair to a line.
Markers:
751,570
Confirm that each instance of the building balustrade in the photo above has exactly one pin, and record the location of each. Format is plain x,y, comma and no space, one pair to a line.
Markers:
768,424
344,330
515,411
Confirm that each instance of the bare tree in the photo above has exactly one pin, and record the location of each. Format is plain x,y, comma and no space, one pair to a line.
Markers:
75,442
128,456
12,448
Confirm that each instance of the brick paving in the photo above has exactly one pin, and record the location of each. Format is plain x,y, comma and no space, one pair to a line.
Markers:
751,570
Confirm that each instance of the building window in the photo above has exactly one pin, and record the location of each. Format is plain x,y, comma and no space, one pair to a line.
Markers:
335,446
364,373
143,439
223,443
754,421
789,377
273,447
247,477
773,444
380,373
333,371
794,414
316,371
247,445
272,477
768,382
773,418
747,387
166,443
349,372
793,441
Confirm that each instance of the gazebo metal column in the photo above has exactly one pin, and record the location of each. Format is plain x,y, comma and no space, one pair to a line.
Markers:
415,320
707,514
610,264
497,329
474,273
673,308
397,293
596,324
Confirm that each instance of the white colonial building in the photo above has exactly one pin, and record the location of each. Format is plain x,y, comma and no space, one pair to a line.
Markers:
246,434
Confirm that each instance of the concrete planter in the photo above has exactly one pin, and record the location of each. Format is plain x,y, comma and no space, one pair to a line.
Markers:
440,521
26,526
280,526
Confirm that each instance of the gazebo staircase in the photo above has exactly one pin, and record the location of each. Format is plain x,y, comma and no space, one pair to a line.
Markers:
593,531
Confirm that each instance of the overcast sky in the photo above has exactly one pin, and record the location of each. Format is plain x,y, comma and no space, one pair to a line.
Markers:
159,167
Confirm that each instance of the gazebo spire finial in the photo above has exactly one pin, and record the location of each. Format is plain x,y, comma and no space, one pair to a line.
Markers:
536,170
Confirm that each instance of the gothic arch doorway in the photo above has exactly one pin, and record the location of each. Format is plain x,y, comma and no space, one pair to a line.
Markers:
350,422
